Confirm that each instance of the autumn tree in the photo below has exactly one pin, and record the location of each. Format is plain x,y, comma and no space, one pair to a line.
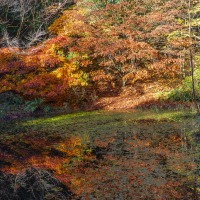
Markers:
128,37
186,40
101,48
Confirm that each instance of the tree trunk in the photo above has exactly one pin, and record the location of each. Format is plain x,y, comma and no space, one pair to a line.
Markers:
191,60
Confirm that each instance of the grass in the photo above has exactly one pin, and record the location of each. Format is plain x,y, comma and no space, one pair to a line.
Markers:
96,122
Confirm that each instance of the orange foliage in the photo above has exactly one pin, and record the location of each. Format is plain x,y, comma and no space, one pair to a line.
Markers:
97,48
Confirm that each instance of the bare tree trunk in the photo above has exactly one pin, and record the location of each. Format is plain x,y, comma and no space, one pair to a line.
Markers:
191,60
193,82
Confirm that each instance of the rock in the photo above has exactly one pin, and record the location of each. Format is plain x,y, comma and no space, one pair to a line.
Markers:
32,184
6,187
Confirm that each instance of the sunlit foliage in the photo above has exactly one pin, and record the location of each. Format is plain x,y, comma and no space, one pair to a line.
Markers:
98,47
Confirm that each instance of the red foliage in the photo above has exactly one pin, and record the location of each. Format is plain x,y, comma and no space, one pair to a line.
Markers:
97,48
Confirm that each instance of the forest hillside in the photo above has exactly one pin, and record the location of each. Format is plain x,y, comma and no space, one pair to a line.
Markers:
100,53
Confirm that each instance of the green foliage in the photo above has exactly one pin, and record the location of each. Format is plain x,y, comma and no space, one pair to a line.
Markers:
71,55
10,98
36,105
13,106
183,93
33,105
47,109
10,103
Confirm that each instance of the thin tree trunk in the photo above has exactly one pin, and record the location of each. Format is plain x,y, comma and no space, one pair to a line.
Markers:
193,83
191,60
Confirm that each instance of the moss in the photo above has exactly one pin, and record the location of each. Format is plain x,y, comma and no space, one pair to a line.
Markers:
97,122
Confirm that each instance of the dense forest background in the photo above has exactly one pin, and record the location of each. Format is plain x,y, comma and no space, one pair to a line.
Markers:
75,52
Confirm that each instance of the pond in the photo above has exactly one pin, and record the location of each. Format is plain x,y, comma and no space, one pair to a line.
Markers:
110,155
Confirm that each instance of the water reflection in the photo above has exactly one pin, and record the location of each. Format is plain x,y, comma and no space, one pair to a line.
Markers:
152,160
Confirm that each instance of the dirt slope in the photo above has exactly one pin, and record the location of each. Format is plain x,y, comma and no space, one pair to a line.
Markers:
130,97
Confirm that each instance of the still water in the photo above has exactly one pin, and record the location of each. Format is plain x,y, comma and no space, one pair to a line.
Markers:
111,156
